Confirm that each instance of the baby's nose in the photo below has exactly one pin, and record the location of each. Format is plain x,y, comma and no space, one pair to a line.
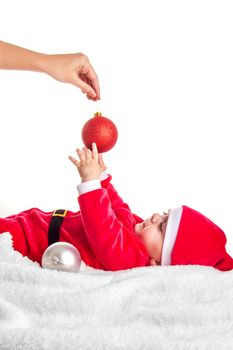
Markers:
157,218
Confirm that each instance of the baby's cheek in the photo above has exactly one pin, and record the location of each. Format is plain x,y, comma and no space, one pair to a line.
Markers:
158,240
144,237
149,240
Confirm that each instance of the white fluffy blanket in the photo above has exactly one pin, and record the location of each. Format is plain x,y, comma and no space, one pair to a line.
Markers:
181,307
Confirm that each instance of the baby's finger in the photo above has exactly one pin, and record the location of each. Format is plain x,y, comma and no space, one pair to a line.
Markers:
87,152
94,151
101,161
80,154
74,161
100,158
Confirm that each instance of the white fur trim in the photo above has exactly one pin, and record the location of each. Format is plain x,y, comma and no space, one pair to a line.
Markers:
170,235
88,186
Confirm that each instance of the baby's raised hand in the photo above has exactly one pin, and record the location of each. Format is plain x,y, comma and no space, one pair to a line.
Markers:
90,164
101,163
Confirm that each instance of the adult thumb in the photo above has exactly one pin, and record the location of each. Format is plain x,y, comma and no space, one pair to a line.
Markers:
86,88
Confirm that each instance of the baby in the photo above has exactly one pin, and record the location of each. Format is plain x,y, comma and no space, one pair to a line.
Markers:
109,236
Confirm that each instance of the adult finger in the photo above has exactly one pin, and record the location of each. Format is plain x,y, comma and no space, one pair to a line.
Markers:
84,77
91,98
86,88
94,81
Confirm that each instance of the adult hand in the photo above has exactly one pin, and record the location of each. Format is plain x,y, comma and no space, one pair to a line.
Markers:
74,69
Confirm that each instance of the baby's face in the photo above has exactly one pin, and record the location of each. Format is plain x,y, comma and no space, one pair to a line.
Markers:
152,232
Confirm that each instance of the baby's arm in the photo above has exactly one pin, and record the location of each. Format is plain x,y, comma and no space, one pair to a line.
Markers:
109,233
117,202
91,171
113,242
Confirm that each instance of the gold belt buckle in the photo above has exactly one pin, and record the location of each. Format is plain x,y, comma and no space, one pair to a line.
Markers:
60,212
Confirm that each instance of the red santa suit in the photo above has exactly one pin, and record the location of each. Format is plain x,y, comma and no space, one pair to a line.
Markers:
102,231
192,239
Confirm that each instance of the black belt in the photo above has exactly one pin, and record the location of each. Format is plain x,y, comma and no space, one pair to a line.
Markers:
55,225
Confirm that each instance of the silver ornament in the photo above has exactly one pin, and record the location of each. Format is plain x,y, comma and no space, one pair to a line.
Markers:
61,256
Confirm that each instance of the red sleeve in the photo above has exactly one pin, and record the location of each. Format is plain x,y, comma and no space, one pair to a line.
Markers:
117,203
109,230
113,195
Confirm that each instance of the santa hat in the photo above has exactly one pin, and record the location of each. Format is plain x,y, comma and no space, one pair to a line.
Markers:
197,240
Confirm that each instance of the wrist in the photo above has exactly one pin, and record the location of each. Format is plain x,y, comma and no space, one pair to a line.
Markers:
103,175
42,62
89,178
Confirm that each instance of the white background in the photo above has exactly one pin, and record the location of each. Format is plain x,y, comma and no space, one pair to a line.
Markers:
166,77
